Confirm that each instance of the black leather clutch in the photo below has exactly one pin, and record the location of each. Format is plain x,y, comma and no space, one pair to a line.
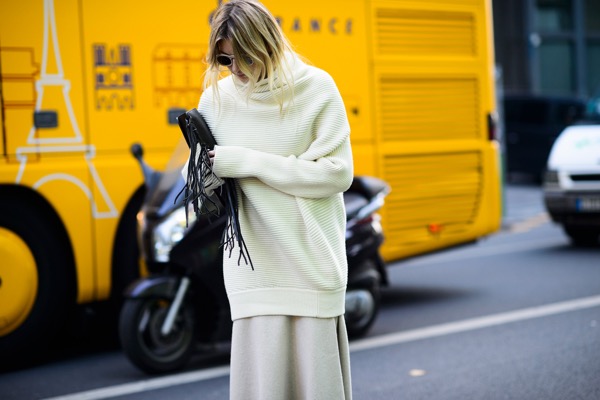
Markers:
200,140
195,129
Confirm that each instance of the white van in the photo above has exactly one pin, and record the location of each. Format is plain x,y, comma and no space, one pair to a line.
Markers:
572,183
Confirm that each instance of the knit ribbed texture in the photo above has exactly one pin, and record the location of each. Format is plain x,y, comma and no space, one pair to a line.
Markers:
291,169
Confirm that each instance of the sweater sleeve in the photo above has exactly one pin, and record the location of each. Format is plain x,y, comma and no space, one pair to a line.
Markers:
323,170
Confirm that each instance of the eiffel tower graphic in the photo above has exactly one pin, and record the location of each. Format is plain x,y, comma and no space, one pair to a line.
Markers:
61,144
53,79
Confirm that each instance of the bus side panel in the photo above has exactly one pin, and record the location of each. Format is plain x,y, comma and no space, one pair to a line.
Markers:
333,36
139,73
2,121
42,71
433,93
21,57
139,78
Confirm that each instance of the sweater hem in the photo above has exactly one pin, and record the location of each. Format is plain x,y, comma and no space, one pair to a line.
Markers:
287,301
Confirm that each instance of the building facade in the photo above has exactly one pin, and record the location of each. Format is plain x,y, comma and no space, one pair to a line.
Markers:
548,47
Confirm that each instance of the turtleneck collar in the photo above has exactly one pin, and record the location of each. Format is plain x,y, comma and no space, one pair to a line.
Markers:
296,69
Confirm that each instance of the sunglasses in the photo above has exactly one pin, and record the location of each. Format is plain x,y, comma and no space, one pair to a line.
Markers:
226,60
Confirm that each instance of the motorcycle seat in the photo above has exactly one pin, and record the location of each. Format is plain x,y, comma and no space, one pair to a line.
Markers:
353,202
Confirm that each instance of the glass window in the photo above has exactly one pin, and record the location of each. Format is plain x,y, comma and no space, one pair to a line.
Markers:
593,67
554,15
592,16
556,67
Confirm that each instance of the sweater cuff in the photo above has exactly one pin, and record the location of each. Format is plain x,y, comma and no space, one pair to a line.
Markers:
229,161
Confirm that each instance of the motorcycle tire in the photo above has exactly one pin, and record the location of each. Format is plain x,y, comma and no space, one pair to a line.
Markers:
357,325
140,323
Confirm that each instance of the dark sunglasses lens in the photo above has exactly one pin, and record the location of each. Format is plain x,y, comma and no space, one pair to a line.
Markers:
224,61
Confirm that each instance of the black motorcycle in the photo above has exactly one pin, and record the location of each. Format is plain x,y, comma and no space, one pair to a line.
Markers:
181,307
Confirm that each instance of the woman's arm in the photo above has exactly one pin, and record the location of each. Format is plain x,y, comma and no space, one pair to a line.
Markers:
325,168
293,175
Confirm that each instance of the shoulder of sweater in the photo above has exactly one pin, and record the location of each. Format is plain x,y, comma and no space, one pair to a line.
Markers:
317,74
316,81
225,87
225,84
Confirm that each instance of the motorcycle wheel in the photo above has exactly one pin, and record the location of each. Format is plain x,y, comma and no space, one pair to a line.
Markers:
360,319
146,347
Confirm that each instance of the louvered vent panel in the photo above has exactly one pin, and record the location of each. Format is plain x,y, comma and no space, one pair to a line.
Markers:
428,109
412,32
438,189
452,2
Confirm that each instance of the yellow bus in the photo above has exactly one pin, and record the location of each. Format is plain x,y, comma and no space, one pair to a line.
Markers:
82,81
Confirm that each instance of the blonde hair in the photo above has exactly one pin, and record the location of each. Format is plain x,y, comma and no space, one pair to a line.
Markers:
255,35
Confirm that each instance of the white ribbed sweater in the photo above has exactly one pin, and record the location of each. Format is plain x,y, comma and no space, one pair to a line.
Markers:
291,169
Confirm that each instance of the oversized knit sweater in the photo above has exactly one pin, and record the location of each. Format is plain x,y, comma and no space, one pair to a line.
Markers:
291,167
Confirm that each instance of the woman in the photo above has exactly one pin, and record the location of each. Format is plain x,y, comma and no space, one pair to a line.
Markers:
283,134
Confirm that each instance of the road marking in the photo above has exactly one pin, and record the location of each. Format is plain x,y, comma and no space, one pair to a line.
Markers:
475,323
529,224
147,385
492,250
358,345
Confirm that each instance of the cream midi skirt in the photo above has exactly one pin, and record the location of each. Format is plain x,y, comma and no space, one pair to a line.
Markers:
276,357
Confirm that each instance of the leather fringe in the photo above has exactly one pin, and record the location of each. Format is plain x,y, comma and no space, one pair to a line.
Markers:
200,173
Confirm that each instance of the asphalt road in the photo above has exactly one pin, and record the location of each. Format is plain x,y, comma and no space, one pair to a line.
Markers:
516,316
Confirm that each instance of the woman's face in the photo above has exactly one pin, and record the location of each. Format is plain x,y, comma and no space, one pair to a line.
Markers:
225,47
